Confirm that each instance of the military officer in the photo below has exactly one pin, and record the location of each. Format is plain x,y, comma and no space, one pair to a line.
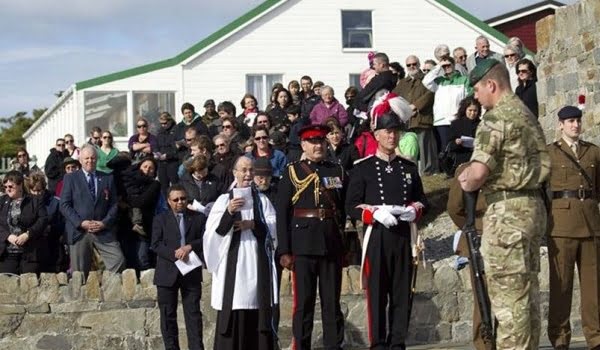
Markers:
575,223
509,163
309,216
457,212
386,194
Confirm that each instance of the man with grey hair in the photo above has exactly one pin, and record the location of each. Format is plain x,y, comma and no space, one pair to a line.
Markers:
89,204
460,56
421,99
482,52
443,50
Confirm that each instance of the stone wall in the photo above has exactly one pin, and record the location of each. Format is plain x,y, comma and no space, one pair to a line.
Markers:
119,311
569,61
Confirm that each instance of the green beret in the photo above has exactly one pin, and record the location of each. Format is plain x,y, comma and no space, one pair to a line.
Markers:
481,70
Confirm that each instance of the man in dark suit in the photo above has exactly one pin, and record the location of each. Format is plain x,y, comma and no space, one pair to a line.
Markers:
89,204
175,234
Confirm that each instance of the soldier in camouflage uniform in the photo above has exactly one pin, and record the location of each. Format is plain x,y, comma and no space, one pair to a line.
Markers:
509,164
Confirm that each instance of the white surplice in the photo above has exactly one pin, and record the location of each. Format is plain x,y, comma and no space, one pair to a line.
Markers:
216,248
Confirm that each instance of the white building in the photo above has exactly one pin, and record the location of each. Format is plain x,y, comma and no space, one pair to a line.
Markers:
278,41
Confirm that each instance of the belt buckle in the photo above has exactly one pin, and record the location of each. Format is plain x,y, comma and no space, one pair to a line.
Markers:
581,194
321,213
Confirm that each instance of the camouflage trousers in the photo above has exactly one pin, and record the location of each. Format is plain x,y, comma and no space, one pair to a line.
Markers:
512,231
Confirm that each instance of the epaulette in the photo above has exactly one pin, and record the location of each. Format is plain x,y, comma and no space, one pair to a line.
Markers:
362,159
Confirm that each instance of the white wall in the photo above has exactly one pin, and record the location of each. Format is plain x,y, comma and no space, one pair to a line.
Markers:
305,37
62,121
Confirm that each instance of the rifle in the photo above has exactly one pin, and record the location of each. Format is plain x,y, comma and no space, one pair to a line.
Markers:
478,271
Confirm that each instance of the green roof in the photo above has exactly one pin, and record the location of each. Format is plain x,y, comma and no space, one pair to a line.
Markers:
242,20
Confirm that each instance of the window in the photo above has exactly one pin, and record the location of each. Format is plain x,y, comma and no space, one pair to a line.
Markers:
151,104
354,80
260,86
357,29
107,110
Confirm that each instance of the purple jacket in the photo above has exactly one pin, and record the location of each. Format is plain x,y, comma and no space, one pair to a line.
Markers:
321,112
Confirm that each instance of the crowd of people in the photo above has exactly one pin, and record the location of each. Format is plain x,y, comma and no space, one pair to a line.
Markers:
269,188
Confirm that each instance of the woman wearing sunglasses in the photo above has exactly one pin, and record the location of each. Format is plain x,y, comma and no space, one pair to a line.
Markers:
23,220
142,144
106,152
262,148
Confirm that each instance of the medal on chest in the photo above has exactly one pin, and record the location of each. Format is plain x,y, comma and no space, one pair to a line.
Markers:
389,169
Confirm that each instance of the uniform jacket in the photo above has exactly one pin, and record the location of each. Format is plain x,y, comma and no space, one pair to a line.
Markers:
311,236
572,217
449,91
371,184
166,239
33,219
77,205
413,91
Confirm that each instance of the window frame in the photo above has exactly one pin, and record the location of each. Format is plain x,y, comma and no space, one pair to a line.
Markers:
266,89
372,36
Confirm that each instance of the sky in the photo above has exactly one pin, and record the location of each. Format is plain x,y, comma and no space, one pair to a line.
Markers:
46,46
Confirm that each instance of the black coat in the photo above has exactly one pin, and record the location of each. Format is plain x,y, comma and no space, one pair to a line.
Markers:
462,127
141,192
223,169
307,105
33,219
166,142
342,155
166,239
528,94
53,168
211,188
384,80
278,115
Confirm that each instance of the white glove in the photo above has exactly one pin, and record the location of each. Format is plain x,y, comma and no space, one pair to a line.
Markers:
196,206
385,218
408,214
396,210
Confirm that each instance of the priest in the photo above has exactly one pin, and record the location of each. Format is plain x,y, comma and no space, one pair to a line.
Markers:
238,247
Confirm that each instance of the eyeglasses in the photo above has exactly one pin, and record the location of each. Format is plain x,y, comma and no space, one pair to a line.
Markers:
510,55
261,138
411,64
220,145
524,71
106,137
446,66
461,57
60,145
68,141
179,199
228,126
9,187
22,155
142,126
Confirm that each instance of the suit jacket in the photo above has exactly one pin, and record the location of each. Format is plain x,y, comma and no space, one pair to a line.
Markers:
166,239
471,62
572,217
33,219
77,205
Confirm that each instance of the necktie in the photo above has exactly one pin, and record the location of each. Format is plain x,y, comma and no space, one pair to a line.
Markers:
92,185
574,148
181,228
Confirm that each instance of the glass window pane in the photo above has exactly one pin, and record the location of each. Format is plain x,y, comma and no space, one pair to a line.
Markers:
355,80
254,86
151,104
107,110
357,29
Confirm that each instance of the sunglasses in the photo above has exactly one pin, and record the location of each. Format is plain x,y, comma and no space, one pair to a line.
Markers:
461,57
524,71
411,65
68,141
220,145
261,138
446,66
227,126
60,145
142,126
9,187
179,199
510,55
106,137
21,155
